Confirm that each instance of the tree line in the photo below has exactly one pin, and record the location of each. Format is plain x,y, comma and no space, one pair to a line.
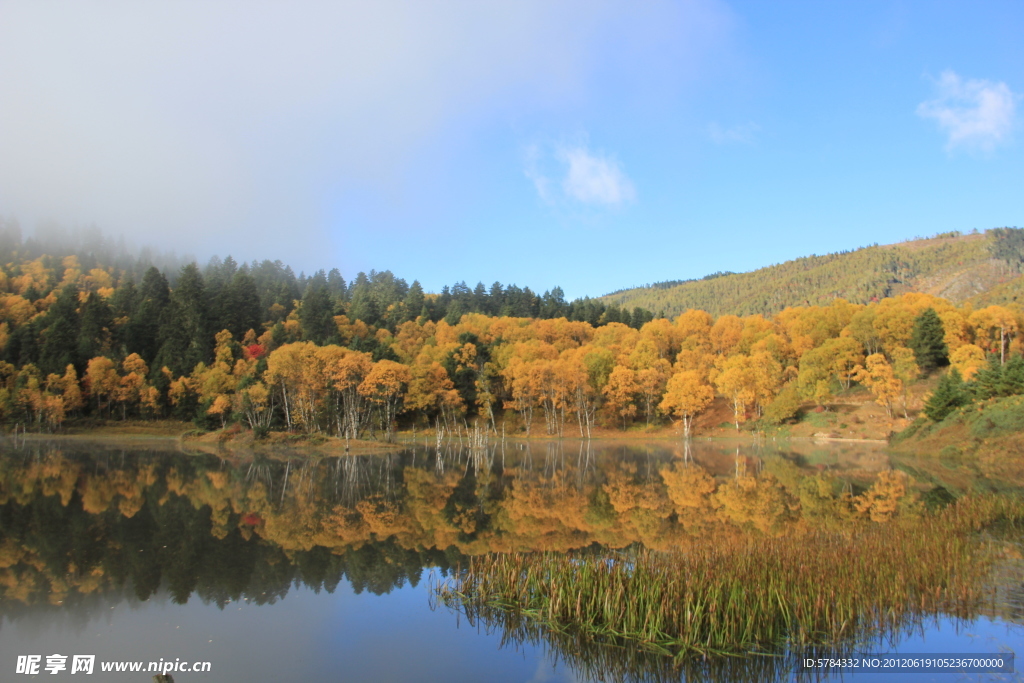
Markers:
230,344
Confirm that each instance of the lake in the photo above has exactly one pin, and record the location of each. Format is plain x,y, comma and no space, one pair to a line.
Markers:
282,567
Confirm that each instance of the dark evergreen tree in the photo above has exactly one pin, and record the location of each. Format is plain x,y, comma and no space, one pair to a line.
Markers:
364,307
317,314
1013,375
185,336
277,285
364,304
336,285
496,298
386,289
414,301
587,310
441,304
998,379
987,382
462,295
96,322
239,305
123,305
480,304
553,304
23,345
216,276
640,317
529,306
928,341
612,314
142,331
455,313
949,395
60,337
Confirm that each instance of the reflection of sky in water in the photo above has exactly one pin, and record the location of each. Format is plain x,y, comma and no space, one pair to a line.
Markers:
348,637
326,637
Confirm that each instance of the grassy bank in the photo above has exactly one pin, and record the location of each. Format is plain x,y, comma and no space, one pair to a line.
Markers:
987,429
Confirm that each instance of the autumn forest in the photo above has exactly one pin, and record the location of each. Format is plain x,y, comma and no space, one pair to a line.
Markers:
94,332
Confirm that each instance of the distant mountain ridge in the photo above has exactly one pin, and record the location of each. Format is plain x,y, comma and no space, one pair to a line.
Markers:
986,267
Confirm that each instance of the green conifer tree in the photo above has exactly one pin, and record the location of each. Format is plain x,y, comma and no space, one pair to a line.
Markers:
317,315
987,382
928,341
414,301
96,322
1013,375
60,339
239,305
142,331
948,396
185,335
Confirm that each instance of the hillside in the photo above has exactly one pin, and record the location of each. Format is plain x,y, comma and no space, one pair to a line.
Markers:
1009,293
954,266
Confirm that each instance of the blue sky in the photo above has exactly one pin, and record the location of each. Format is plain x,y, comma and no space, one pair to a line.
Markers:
589,144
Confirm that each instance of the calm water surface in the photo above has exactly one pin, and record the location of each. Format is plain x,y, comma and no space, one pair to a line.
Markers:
283,568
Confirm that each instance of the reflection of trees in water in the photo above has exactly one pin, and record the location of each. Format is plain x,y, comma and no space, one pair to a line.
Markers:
60,556
72,518
88,520
74,525
344,480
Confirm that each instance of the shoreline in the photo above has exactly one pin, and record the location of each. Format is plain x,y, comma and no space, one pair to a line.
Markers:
182,436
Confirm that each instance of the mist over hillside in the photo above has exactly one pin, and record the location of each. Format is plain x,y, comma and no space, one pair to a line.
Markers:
982,268
91,245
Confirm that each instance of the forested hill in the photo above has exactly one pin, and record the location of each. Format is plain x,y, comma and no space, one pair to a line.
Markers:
954,266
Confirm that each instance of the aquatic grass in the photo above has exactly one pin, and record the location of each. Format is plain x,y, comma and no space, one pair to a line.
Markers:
754,594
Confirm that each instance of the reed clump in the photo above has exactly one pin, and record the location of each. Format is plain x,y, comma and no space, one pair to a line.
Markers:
756,594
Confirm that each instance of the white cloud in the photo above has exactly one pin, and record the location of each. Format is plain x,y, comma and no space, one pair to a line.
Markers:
574,173
593,178
743,133
975,114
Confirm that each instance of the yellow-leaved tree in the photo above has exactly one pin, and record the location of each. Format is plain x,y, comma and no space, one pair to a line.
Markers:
384,387
620,392
880,379
103,381
967,359
738,381
132,387
652,372
687,395
996,327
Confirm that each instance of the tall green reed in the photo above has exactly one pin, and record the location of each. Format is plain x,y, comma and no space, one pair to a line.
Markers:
756,594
